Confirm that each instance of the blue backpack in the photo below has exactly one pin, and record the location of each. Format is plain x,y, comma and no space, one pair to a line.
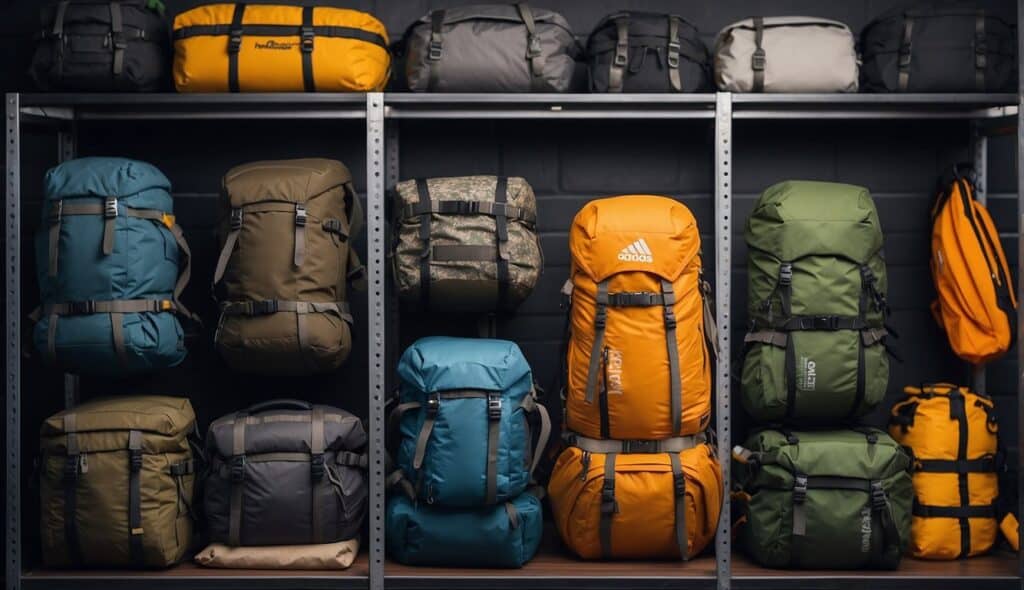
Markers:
462,418
107,258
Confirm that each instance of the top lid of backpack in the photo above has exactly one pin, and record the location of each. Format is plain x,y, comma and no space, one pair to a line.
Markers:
110,177
441,363
284,427
635,233
158,414
289,181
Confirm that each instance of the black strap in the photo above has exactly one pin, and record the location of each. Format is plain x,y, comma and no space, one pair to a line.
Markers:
72,473
435,48
757,60
469,208
501,235
617,67
307,36
235,45
785,290
317,470
280,31
118,42
958,412
236,471
609,506
679,491
424,195
135,530
905,53
636,299
819,323
958,512
980,52
982,465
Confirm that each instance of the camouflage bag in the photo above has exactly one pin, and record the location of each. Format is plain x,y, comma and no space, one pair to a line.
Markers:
285,261
466,243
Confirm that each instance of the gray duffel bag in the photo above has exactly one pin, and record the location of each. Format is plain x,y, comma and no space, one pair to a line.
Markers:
285,472
786,54
490,48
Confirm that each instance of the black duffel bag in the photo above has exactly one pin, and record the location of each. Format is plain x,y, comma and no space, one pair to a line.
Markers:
285,472
102,46
939,50
647,52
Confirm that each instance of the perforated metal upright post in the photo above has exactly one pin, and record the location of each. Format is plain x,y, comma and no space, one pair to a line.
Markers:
723,286
12,377
376,306
67,149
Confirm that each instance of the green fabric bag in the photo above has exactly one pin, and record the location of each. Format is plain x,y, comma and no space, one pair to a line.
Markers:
829,499
817,282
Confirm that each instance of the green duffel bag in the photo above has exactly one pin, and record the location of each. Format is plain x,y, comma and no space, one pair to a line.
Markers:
830,499
116,479
816,349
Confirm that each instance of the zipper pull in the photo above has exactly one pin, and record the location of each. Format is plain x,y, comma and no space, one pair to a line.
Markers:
586,465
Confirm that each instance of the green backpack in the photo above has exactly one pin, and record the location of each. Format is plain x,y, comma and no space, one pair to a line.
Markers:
816,347
833,499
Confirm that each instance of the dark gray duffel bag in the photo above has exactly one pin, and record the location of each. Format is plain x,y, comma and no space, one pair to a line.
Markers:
490,48
939,50
285,472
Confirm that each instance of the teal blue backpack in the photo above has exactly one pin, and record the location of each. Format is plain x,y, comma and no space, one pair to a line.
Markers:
462,419
108,258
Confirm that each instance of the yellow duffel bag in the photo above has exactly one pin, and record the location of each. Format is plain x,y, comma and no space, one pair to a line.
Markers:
273,48
953,434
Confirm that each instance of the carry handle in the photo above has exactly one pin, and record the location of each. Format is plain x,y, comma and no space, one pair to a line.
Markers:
278,404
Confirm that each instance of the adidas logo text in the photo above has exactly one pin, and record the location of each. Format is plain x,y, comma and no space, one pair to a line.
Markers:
638,251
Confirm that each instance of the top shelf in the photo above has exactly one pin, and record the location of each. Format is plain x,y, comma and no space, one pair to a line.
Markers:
517,106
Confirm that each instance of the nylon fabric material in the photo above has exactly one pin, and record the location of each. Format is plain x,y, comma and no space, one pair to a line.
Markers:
454,470
644,527
274,63
935,435
419,534
639,398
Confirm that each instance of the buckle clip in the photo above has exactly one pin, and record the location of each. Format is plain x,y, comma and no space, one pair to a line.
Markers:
237,468
533,46
757,60
433,404
601,319
905,56
110,207
621,58
679,483
72,467
300,216
670,319
81,307
307,39
786,274
234,40
639,446
236,219
434,52
800,489
608,503
265,307
118,41
879,500
673,54
135,460
494,406
56,212
317,468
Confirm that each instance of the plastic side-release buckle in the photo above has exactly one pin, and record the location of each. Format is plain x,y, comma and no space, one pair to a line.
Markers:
234,40
679,483
317,467
265,307
799,489
879,499
533,46
236,219
608,503
786,274
81,307
757,60
433,404
434,48
56,212
110,207
238,468
307,39
72,467
494,406
905,53
673,54
621,57
639,446
300,216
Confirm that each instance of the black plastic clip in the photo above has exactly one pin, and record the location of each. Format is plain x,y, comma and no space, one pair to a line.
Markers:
237,467
235,40
494,406
317,468
786,274
879,500
639,446
799,489
307,39
679,483
608,503
236,219
72,467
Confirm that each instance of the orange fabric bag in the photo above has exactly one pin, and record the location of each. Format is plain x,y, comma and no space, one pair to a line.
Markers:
638,364
976,303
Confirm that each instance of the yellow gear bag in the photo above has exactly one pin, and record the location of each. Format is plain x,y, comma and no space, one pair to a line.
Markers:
272,48
953,434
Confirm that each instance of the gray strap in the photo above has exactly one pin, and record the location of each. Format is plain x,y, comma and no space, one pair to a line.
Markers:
110,214
316,449
609,506
51,338
135,530
186,270
600,323
905,52
435,49
534,50
117,40
271,306
710,326
757,60
229,245
237,481
530,405
58,19
620,60
672,56
675,377
980,52
679,488
513,515
491,208
800,485
72,471
451,253
300,235
676,444
424,435
56,216
117,330
773,338
494,413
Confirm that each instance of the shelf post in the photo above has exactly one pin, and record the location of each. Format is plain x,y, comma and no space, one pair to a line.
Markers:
376,305
67,149
1020,277
12,377
723,286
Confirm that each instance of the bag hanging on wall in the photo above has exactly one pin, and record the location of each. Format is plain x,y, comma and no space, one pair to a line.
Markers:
285,472
465,438
939,50
466,243
957,461
832,499
647,52
239,47
641,329
116,480
490,48
112,264
786,54
286,260
101,46
625,500
816,351
977,301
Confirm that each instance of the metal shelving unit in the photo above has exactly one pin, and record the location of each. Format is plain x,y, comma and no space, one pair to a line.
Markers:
383,113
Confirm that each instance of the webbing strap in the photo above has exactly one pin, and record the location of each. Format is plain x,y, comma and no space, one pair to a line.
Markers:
116,306
617,68
672,55
237,471
72,471
271,306
118,43
534,50
135,530
609,506
235,46
772,337
982,465
980,51
530,405
675,377
501,232
636,299
423,191
906,48
299,251
679,489
435,49
229,245
317,469
494,413
110,214
600,323
958,512
757,60
307,36
958,412
469,208
676,444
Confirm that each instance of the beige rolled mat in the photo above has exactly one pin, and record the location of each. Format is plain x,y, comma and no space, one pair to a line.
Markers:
328,556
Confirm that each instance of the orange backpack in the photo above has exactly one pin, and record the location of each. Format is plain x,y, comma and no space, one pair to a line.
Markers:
638,363
976,301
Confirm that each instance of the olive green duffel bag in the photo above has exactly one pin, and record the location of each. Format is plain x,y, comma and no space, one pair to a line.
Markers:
829,499
116,478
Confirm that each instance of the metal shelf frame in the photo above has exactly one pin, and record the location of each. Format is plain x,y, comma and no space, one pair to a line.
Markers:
383,113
